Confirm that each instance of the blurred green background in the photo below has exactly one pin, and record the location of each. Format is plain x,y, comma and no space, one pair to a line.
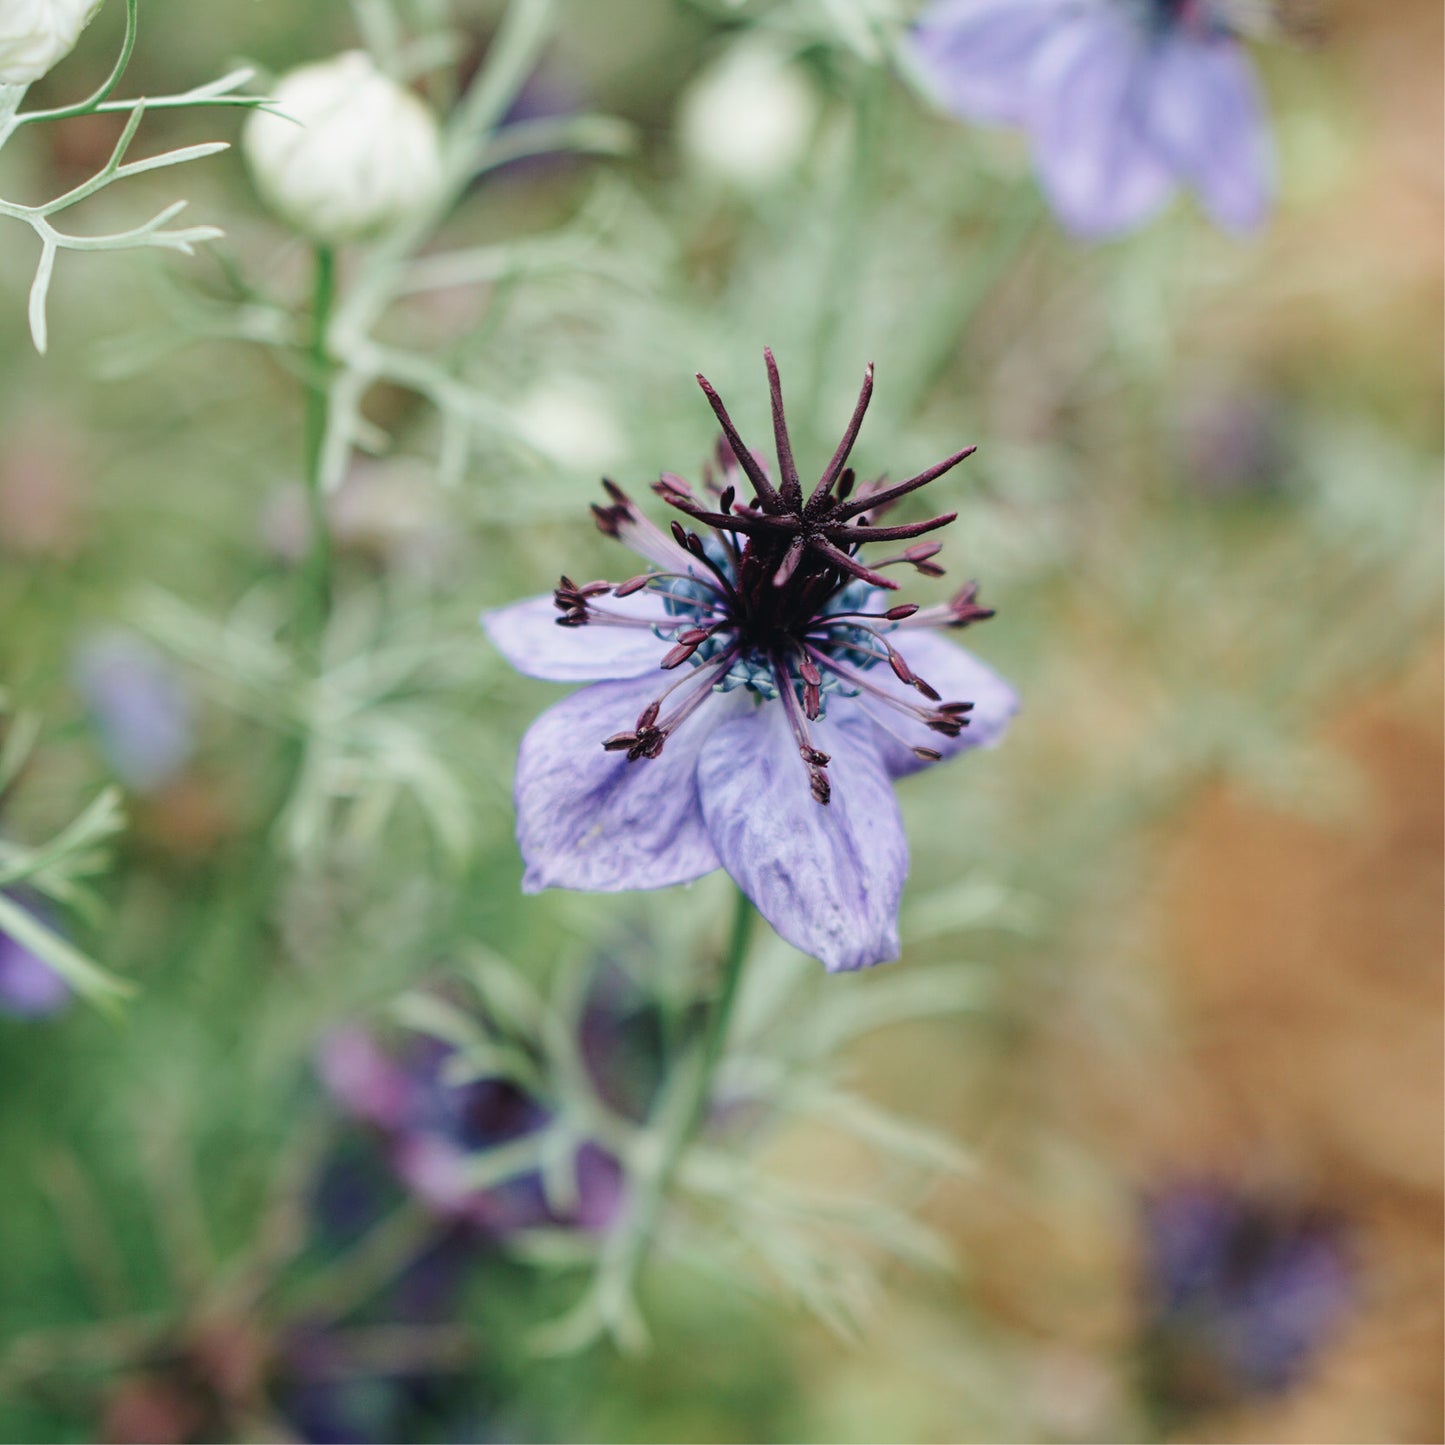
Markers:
1199,886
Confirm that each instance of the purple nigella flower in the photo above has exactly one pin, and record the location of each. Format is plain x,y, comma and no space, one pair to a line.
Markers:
29,987
1238,1295
435,1130
791,695
1123,100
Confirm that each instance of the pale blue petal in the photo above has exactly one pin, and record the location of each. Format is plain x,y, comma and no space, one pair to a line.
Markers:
528,636
1206,115
828,878
592,820
976,57
1101,172
958,676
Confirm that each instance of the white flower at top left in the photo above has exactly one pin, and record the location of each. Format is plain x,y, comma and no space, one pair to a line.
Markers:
35,35
351,152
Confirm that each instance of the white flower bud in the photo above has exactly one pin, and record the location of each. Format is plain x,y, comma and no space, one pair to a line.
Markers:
35,35
366,151
749,117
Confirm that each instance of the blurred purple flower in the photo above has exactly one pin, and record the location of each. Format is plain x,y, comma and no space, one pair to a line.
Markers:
1238,1295
29,987
139,707
621,1037
1233,441
786,662
327,1394
1123,100
436,1131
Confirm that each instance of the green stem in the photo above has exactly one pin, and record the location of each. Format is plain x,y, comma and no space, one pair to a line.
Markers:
675,1121
315,604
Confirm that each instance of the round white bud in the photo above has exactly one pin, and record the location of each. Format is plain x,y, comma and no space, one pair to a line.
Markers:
365,153
35,35
749,117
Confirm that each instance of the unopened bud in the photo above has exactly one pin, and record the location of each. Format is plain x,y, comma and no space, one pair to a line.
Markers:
36,35
750,117
366,151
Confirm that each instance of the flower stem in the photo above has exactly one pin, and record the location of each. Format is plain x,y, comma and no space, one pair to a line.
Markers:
315,604
675,1120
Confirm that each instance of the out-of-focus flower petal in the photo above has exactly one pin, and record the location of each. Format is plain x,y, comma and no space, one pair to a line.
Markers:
828,878
1101,172
528,636
592,820
364,1079
1206,115
139,706
956,674
976,57
1239,1293
599,1188
29,987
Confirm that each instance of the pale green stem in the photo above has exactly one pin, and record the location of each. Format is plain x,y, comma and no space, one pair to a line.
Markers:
315,605
675,1121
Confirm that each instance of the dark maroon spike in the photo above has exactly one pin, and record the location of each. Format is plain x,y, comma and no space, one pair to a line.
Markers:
751,524
791,489
852,532
835,467
844,563
891,494
790,561
767,493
